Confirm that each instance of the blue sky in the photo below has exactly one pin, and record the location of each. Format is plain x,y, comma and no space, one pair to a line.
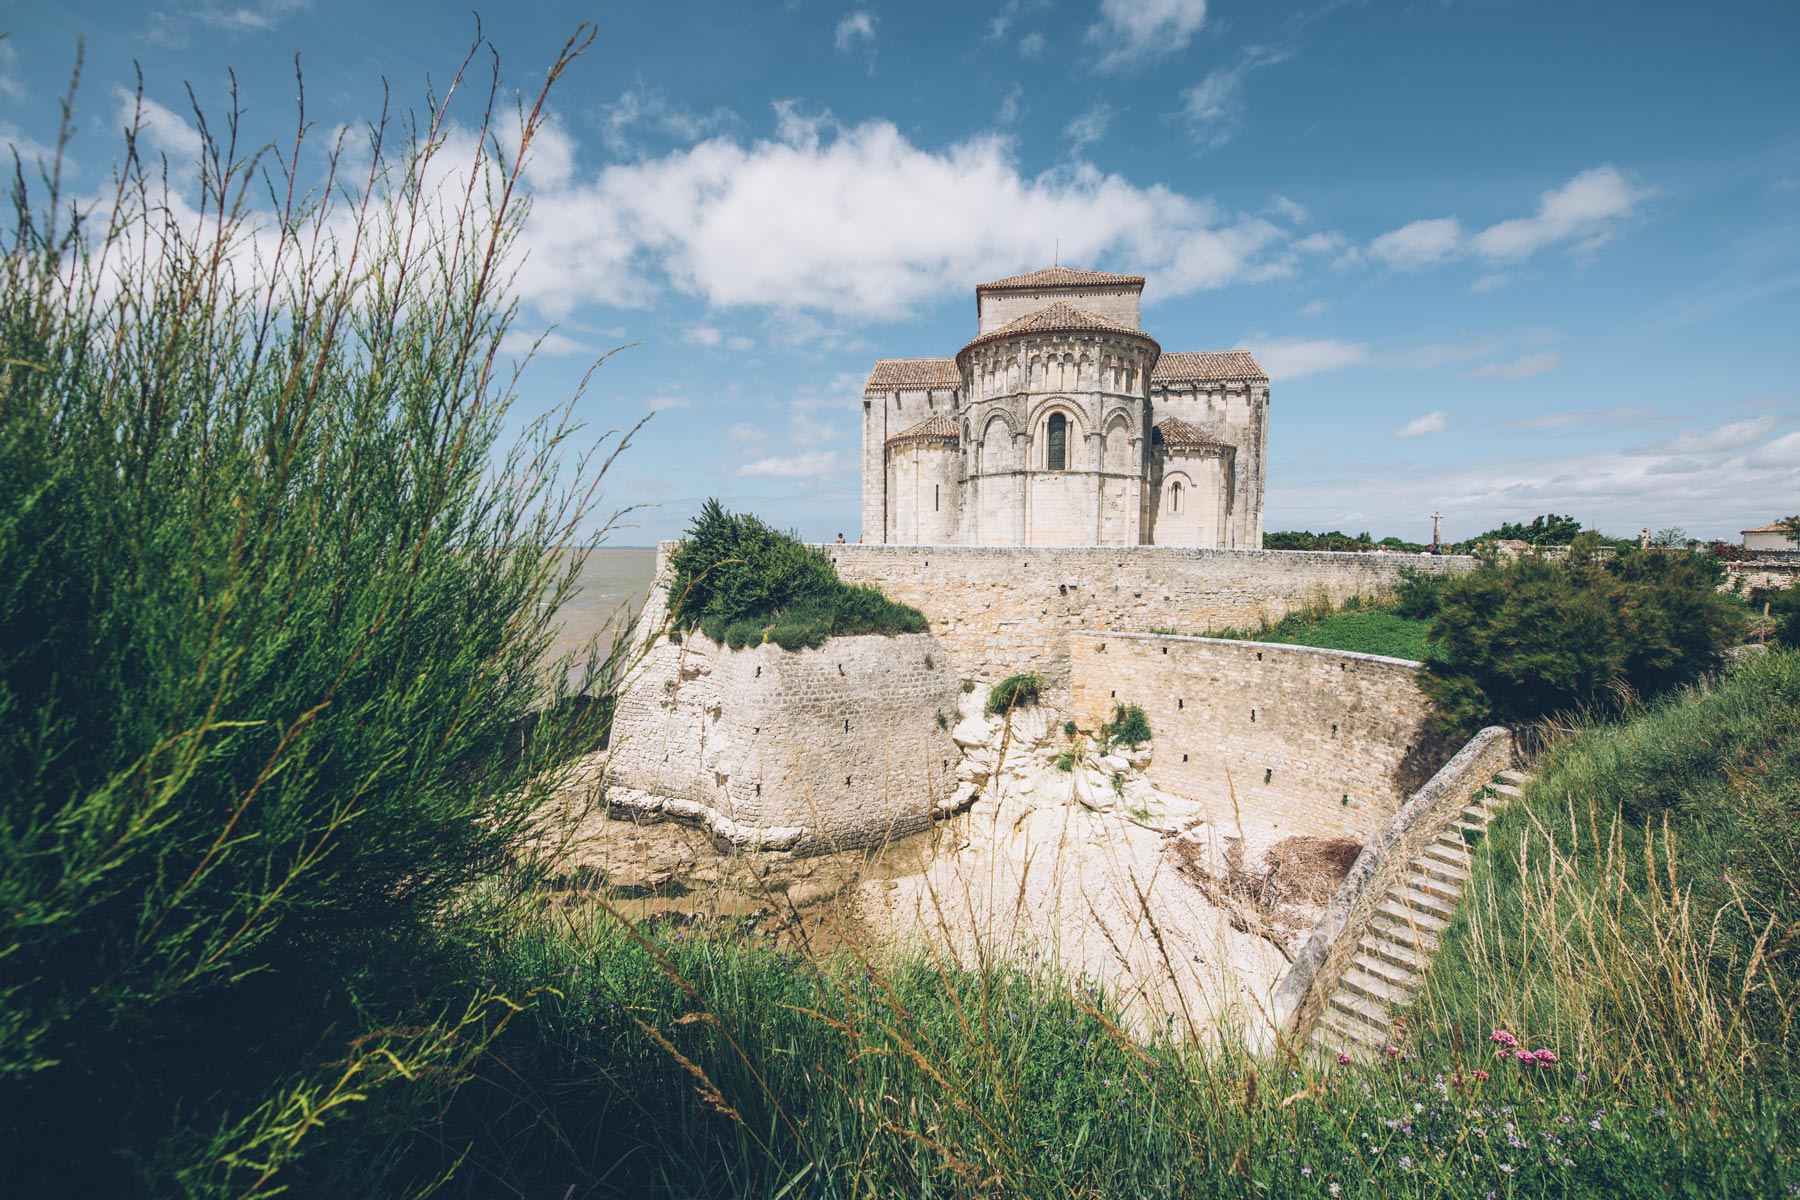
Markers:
1499,257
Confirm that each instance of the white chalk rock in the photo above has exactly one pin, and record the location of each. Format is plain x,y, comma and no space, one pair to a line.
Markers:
1137,756
1115,764
971,732
1030,725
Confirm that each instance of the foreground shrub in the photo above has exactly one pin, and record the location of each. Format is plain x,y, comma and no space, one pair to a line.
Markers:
1015,691
272,694
1514,642
741,582
1784,610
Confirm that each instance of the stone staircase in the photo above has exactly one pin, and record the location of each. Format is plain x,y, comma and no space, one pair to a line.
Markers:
1391,957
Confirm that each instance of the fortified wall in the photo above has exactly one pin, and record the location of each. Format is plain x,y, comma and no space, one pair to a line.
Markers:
1319,742
1004,610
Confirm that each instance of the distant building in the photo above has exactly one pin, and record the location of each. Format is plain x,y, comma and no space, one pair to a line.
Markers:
1769,537
1064,424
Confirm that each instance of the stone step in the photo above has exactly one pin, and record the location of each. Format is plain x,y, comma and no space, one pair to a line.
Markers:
1450,874
1396,929
1465,823
1390,972
1479,813
1450,850
1336,1032
1403,954
1374,987
1509,790
1516,778
1422,902
1403,909
1422,879
1354,1007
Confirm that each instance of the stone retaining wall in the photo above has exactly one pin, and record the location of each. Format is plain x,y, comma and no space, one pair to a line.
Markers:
1001,610
1307,986
1322,742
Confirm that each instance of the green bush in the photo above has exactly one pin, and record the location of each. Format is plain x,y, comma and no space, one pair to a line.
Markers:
1518,641
1015,691
1419,594
735,579
274,715
1784,609
1129,727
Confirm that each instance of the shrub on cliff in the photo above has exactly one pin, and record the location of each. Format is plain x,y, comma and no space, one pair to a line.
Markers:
1518,641
1129,726
273,710
1015,691
741,582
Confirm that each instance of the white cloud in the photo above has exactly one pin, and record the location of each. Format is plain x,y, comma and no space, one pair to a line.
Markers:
1581,208
1584,211
170,27
858,26
665,403
10,87
1781,454
703,335
744,432
1289,210
1569,420
166,132
1432,422
1734,435
804,465
1089,127
1420,244
860,223
1292,358
1135,31
1011,105
1315,308
1032,45
1523,367
1214,107
643,110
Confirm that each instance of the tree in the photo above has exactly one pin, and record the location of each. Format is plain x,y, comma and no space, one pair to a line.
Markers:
1674,537
1514,642
1790,526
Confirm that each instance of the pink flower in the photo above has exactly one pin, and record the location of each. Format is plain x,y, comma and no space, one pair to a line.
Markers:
1393,1051
1502,1038
1523,1056
1343,1060
1481,1076
1543,1058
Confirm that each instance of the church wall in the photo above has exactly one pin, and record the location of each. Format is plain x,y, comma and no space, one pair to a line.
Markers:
1200,522
1318,741
994,309
922,494
886,412
1237,414
1001,610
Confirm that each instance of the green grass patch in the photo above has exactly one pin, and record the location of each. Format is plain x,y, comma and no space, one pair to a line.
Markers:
1129,726
742,583
1360,625
1015,691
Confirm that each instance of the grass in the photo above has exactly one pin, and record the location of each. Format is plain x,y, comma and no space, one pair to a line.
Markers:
1360,625
1015,691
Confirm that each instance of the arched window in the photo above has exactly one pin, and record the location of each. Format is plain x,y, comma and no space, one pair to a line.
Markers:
1058,457
1175,496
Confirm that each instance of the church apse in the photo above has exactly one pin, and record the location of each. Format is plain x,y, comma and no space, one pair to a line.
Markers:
1064,424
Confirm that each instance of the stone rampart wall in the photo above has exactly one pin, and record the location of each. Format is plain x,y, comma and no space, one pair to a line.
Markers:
806,750
1320,742
1003,610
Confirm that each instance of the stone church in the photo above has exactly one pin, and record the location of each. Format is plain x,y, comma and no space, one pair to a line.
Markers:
1064,424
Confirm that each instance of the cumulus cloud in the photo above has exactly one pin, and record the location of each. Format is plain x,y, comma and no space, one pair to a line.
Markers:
1214,107
805,465
166,132
1315,308
861,223
641,111
858,26
1032,45
665,403
1523,367
1135,31
1011,105
1584,212
1089,127
1431,422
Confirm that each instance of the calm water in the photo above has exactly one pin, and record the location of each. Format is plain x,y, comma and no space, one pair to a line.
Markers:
613,583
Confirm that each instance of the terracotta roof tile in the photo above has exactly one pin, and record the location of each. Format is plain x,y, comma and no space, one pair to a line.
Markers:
913,372
1177,434
1051,277
1205,366
935,428
1059,317
1777,528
